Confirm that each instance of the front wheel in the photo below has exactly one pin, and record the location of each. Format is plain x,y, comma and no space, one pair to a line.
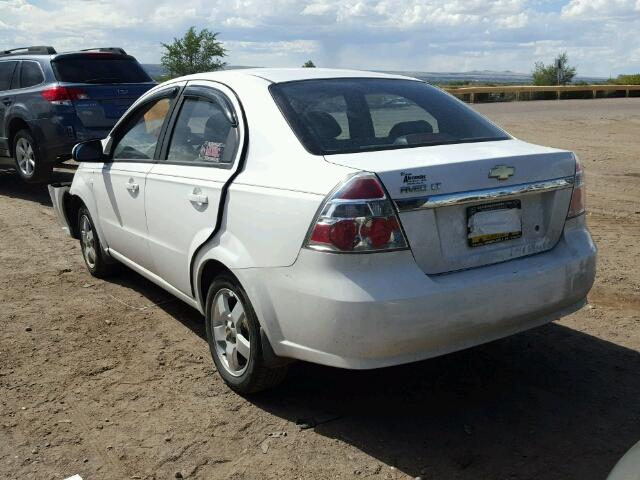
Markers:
94,257
233,333
29,163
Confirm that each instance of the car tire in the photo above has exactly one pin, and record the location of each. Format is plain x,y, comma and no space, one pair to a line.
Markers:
29,164
234,339
94,257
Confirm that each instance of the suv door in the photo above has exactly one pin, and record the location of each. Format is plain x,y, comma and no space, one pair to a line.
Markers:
185,188
7,68
119,186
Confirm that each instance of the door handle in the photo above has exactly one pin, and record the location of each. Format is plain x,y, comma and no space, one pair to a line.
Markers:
132,187
7,101
196,196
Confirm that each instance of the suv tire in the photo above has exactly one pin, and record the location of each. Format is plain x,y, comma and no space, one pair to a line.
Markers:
233,331
28,161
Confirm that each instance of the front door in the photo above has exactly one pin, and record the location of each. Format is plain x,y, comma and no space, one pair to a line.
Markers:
184,188
119,187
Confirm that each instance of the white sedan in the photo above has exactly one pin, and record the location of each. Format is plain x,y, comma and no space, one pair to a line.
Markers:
347,218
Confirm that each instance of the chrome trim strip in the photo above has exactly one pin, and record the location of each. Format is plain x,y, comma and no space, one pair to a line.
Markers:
489,194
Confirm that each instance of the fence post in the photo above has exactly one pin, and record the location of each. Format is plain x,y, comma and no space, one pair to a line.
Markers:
471,97
595,93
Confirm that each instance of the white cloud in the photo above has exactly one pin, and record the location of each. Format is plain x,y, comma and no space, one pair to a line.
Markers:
380,34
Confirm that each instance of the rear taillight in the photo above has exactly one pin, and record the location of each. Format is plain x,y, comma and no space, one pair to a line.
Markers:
63,95
577,205
357,217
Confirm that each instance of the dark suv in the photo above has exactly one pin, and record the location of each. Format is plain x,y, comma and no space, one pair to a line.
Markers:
50,101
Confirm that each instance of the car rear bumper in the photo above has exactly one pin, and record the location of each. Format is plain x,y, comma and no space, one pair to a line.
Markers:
370,311
56,137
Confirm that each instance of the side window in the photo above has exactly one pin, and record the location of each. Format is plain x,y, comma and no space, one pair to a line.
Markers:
394,115
202,134
141,136
6,72
30,75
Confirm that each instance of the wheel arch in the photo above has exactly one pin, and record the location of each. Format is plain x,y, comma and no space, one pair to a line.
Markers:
212,268
72,205
14,126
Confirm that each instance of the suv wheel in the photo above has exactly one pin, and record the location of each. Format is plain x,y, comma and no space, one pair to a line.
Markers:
233,333
28,162
94,257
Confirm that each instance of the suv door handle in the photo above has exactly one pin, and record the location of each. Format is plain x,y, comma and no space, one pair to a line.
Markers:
132,187
7,101
196,196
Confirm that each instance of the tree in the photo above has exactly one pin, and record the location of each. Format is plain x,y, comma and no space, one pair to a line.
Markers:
557,73
193,53
309,64
633,79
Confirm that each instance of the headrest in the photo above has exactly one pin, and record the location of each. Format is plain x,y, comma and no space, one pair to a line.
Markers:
408,128
324,125
217,129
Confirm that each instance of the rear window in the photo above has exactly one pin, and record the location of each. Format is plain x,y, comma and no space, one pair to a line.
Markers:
360,114
99,69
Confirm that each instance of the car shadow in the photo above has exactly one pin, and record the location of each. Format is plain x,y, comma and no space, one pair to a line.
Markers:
12,186
550,403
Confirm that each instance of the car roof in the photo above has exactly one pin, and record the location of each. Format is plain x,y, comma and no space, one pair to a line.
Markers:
279,75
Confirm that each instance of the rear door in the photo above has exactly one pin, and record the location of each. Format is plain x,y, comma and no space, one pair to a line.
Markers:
104,85
184,191
120,185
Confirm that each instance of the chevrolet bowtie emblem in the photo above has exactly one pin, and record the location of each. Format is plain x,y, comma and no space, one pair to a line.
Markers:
501,172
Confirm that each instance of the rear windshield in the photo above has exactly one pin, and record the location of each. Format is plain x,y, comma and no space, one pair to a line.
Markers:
99,69
360,114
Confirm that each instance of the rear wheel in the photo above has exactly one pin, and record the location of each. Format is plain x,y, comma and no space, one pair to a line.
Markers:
94,257
233,333
29,164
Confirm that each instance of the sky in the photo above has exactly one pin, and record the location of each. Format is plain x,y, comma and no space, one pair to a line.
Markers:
600,36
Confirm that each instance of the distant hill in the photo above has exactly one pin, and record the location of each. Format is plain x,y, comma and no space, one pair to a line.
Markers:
475,76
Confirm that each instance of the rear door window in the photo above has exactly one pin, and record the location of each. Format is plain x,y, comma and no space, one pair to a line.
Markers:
6,73
99,68
203,134
30,74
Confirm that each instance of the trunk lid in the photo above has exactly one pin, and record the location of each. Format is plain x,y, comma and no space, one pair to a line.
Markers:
438,232
106,103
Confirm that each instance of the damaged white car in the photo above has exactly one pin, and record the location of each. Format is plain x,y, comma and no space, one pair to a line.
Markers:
352,219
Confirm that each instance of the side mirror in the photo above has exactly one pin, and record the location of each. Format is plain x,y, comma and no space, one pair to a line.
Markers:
89,151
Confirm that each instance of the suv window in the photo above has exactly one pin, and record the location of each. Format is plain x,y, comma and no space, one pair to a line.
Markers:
141,137
6,73
202,134
99,68
30,74
381,114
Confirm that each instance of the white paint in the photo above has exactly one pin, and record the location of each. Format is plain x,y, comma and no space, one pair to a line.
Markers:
346,310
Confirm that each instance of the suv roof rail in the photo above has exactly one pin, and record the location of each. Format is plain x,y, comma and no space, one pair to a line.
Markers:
116,50
35,50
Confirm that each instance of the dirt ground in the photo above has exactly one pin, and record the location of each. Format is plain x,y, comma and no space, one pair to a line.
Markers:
113,379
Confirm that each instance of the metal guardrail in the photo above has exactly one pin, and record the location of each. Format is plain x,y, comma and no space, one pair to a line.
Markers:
518,89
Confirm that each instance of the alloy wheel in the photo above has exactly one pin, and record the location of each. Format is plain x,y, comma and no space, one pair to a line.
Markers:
87,237
230,332
25,157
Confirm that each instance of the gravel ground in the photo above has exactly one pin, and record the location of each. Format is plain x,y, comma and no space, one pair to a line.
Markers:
113,380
